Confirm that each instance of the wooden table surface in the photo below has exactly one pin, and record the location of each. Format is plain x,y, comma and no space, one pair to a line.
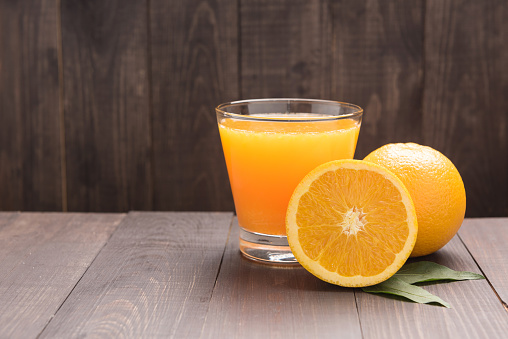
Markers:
180,275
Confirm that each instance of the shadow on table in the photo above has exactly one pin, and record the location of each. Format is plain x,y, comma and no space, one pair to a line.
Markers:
260,275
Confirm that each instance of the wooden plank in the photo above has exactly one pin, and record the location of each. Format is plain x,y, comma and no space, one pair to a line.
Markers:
194,58
42,257
153,279
487,239
378,64
254,300
106,102
285,49
465,102
476,311
30,158
6,218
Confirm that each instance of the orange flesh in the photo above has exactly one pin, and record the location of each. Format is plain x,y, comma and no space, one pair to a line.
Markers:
267,160
337,219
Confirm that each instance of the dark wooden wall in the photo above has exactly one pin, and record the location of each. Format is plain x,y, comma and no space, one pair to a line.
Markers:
108,105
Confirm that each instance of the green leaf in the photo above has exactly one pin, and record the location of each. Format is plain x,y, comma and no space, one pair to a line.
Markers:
396,286
424,271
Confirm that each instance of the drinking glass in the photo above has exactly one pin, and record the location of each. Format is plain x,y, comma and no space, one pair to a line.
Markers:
269,146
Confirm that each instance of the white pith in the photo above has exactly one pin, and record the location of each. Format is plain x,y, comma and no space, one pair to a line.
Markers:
354,221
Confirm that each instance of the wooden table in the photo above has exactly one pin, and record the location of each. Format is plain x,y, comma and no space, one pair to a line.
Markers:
180,275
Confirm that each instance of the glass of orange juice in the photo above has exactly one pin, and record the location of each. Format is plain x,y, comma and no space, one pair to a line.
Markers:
269,146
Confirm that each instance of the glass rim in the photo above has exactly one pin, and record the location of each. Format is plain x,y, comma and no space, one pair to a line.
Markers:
358,111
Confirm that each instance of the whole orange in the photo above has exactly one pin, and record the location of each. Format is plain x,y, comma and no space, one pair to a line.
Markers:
435,186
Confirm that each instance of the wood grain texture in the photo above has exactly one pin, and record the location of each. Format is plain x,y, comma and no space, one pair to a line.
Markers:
140,79
378,65
476,311
194,58
486,240
42,257
153,279
465,104
30,173
252,300
106,102
285,49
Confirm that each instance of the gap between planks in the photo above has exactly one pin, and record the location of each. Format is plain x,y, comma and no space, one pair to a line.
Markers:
228,239
483,273
86,270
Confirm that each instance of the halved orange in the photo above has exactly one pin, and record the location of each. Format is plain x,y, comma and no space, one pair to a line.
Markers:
351,223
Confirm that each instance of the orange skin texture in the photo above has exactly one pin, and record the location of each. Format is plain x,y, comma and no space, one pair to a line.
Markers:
435,186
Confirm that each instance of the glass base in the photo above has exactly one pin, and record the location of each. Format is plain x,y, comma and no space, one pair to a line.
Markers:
269,249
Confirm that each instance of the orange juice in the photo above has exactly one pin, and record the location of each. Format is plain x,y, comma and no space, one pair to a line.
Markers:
267,159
